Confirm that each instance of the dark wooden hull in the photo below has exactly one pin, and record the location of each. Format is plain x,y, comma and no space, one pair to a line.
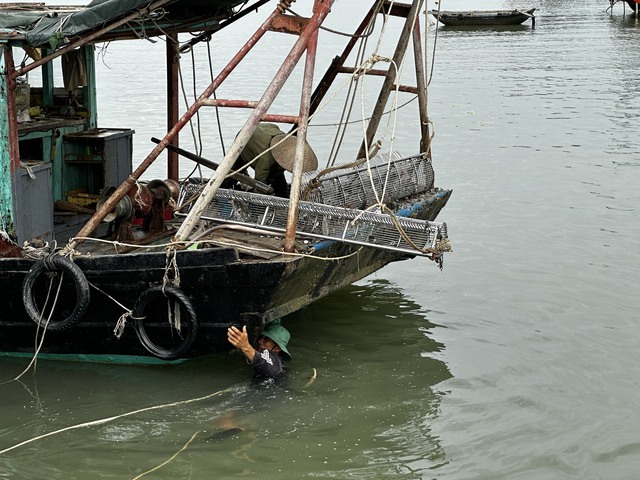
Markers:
224,289
482,18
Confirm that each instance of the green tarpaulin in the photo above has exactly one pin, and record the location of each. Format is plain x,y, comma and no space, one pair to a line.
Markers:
46,27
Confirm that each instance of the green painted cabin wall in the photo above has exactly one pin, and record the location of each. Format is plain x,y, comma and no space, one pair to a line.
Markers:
90,94
12,207
6,182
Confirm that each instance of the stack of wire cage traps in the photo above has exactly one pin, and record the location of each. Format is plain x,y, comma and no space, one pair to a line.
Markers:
341,205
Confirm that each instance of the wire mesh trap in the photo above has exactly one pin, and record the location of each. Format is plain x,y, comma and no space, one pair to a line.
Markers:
387,175
327,222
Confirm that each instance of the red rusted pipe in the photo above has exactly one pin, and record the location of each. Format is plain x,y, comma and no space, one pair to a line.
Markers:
421,85
291,119
173,110
267,117
305,101
221,102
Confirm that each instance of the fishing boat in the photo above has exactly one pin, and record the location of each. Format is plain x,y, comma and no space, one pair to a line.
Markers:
484,17
94,260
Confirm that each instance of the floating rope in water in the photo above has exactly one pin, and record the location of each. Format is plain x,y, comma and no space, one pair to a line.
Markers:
116,417
170,459
312,379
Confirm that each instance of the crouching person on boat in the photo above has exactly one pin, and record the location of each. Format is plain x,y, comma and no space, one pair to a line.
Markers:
267,360
275,153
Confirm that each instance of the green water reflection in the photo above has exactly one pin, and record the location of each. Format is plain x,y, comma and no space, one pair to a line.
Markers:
366,414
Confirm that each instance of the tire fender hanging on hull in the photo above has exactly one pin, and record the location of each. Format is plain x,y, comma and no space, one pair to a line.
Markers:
64,265
186,328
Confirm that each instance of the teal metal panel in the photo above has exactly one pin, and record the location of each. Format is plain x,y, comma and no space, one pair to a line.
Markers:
6,183
89,90
47,80
34,209
60,181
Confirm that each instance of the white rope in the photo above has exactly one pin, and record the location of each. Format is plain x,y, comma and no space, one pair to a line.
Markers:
171,265
102,421
38,344
350,97
137,197
243,246
368,65
37,253
392,119
128,245
312,379
122,320
385,18
184,447
173,308
118,330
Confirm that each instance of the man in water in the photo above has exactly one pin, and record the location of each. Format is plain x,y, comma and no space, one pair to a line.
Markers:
267,363
267,360
275,153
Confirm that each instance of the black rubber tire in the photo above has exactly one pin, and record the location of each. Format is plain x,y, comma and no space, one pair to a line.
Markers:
186,308
66,266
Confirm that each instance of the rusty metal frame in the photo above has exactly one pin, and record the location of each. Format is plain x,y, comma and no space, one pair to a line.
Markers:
307,29
259,113
410,12
306,39
385,91
338,62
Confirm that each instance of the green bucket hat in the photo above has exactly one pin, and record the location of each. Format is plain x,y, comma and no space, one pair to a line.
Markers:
280,335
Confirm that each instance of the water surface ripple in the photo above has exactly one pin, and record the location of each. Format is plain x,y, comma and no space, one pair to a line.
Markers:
515,362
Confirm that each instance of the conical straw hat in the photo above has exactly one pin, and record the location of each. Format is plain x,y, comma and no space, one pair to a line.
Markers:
284,152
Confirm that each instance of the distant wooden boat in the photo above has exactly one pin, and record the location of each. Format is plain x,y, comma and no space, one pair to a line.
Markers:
484,17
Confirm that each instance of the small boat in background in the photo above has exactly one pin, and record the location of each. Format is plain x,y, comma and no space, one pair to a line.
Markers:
484,17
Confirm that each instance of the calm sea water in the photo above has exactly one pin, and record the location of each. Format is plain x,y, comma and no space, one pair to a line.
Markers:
519,360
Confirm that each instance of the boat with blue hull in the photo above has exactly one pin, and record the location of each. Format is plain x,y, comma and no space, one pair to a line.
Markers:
94,260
